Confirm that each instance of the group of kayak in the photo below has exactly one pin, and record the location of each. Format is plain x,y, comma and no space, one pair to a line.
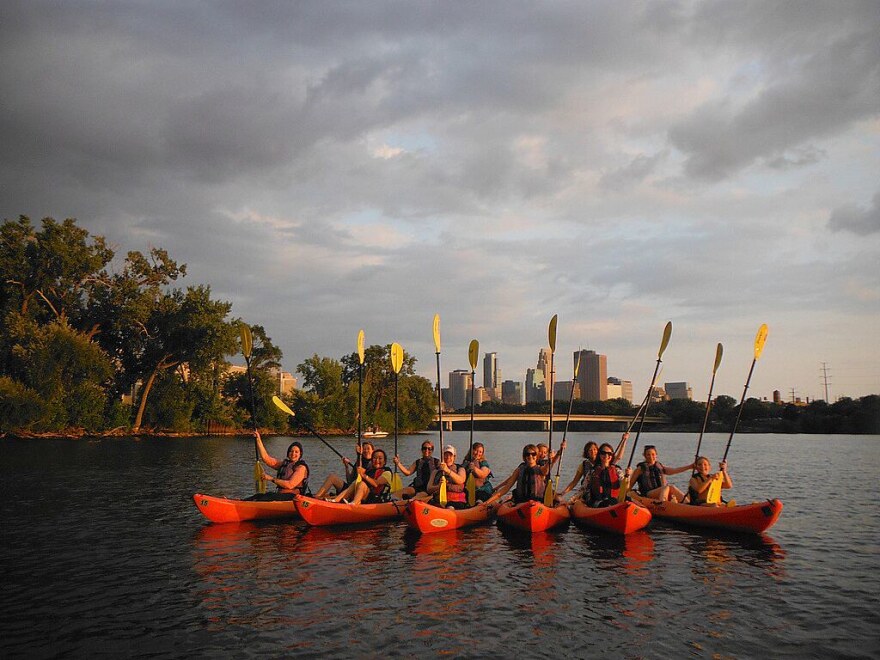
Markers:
445,494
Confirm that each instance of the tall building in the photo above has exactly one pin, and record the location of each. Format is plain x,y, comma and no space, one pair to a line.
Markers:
562,389
459,389
511,393
492,376
620,389
678,391
536,388
592,376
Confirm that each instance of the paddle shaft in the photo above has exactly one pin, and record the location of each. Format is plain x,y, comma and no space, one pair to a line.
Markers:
705,418
742,404
396,418
439,404
646,404
471,445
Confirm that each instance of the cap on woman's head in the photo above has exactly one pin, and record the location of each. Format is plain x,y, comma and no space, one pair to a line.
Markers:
450,449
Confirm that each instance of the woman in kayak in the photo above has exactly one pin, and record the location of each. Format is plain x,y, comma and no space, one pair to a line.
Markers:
528,480
698,487
374,486
582,475
650,478
455,478
335,481
422,468
291,476
476,464
603,486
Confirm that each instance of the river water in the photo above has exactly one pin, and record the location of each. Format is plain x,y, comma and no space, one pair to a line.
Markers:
103,552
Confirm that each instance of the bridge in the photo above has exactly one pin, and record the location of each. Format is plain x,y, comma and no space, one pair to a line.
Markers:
542,420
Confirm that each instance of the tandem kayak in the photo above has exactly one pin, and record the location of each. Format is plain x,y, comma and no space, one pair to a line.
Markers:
225,510
532,516
321,513
755,518
621,518
427,518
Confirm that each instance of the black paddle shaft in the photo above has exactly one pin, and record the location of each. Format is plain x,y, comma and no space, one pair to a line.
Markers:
632,453
742,404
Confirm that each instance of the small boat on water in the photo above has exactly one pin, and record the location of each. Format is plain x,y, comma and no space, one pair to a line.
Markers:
622,518
321,513
532,516
753,518
374,434
427,518
225,510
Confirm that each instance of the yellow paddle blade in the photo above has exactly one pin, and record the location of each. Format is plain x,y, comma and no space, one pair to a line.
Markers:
396,483
548,493
760,338
667,333
437,332
473,352
577,365
360,346
396,357
282,406
442,496
471,487
714,494
247,341
624,489
259,483
719,351
551,335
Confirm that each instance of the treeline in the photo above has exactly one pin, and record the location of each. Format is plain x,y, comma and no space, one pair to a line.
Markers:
86,347
850,416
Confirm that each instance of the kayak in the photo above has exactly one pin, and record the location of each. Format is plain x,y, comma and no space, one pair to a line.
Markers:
427,518
622,518
532,516
754,518
321,513
225,510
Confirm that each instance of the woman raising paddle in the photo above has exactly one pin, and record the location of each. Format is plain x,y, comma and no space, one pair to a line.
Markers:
374,486
422,467
585,469
292,473
476,464
529,479
455,477
335,481
650,478
698,487
603,486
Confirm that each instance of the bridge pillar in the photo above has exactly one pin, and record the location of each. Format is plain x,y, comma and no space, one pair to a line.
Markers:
545,425
447,426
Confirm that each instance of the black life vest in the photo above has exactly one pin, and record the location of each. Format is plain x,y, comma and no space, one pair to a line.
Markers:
587,471
651,477
529,484
423,472
285,472
698,498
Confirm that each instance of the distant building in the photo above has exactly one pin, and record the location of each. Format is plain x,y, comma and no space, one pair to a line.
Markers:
492,375
459,389
481,396
511,393
679,391
562,390
536,388
284,381
592,375
620,389
658,394
777,397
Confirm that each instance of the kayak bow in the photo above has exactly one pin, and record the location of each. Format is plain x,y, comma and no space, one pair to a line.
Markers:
225,510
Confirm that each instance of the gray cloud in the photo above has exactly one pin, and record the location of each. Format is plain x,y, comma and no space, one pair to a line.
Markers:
859,221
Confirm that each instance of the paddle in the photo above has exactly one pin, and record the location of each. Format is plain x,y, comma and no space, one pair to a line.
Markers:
442,494
548,489
247,346
577,365
471,484
719,351
360,353
664,342
284,407
760,340
396,364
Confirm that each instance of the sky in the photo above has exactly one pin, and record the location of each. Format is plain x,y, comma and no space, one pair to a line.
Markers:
331,166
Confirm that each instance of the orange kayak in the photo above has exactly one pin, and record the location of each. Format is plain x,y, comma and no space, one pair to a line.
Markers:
622,518
532,516
754,518
428,518
225,510
321,513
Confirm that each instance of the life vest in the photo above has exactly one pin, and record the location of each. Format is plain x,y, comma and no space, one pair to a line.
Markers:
285,472
481,482
651,477
454,492
529,484
381,491
423,472
698,498
604,483
587,471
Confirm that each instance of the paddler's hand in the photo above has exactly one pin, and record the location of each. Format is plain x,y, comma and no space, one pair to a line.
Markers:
627,472
723,466
361,471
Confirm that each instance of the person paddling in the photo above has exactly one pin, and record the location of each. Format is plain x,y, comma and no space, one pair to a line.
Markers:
455,477
650,478
340,484
422,467
585,469
604,483
527,480
374,486
475,463
698,487
292,473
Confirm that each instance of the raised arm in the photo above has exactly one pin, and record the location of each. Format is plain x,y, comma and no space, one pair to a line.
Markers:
574,482
503,487
406,471
678,470
264,455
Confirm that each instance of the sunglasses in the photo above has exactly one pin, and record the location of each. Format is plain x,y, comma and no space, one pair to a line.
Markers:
606,453
427,449
530,453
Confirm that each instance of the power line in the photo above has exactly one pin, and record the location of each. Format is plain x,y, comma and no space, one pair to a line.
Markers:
825,378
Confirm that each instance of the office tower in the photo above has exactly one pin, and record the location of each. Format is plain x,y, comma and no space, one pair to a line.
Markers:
459,389
562,389
492,376
679,391
620,389
536,388
511,392
592,376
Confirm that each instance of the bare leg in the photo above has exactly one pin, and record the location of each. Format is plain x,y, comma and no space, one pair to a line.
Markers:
345,494
675,495
330,482
361,491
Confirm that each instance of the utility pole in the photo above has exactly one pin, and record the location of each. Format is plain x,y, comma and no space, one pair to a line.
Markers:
793,400
825,377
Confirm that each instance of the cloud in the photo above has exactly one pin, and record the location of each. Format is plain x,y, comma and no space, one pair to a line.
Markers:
857,220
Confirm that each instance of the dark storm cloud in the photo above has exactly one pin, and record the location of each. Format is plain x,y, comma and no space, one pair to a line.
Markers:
859,221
